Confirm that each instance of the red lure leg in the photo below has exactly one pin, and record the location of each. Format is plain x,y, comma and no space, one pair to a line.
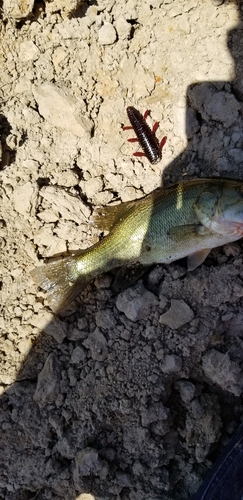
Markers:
146,114
128,127
139,153
162,142
155,127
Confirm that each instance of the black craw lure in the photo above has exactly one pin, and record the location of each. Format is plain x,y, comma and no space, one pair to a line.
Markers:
146,137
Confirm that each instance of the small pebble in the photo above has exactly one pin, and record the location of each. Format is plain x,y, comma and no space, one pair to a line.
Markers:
177,315
107,34
171,364
136,302
186,389
78,355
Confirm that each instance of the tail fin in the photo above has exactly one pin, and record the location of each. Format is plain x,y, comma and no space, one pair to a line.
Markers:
61,282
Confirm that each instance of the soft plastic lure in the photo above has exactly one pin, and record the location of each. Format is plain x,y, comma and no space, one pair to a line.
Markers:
146,137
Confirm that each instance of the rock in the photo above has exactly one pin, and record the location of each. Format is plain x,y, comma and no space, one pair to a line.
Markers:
78,355
203,425
123,480
155,277
171,363
103,281
24,346
217,3
153,413
49,215
160,354
66,7
123,28
197,409
186,389
50,324
24,198
88,463
222,371
64,446
69,207
82,323
107,34
105,318
17,9
60,110
235,326
236,155
92,186
77,334
220,106
232,249
28,51
48,243
48,388
136,302
97,344
59,58
177,315
223,107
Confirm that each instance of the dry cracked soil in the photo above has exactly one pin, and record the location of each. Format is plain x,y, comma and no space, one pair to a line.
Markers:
128,396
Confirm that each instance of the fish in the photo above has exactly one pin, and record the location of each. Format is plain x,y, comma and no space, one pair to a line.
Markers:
186,219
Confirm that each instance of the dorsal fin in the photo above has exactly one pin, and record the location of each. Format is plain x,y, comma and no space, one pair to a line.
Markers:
106,217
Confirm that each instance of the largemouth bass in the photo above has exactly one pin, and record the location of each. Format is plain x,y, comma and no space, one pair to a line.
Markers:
187,219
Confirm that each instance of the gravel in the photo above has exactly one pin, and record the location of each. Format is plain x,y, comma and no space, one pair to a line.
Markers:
127,396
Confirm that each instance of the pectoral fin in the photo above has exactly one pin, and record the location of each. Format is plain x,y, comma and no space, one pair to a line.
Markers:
197,258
